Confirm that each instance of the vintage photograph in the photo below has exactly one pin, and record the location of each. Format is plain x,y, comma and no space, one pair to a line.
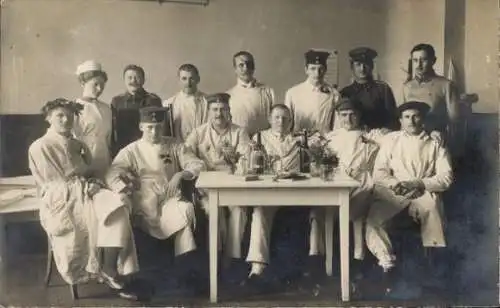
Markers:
240,153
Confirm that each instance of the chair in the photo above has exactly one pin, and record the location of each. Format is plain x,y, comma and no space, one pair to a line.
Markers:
48,272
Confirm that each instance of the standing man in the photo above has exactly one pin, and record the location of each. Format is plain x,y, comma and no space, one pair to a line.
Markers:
376,97
411,171
312,102
437,91
189,106
133,99
216,143
250,100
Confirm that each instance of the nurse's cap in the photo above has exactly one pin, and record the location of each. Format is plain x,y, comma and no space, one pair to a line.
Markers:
414,105
218,98
349,104
88,66
316,57
363,54
152,114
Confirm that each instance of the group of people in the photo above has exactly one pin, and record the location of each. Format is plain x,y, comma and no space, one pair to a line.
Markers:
95,188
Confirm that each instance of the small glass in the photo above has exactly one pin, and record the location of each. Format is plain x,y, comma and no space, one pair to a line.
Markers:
327,172
276,165
315,169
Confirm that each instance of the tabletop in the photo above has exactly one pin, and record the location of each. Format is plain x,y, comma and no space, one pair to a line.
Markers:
218,179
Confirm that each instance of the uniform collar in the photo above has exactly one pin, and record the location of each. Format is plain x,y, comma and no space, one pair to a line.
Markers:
139,93
368,84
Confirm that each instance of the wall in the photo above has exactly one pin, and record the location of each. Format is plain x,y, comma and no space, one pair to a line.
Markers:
44,41
481,48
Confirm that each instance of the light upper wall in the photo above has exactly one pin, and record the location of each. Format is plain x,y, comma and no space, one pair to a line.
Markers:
44,41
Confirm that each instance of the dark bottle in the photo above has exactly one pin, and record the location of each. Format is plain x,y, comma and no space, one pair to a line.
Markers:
257,156
305,158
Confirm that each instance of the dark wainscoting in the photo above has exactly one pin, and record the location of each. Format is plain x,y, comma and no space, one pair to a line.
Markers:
17,132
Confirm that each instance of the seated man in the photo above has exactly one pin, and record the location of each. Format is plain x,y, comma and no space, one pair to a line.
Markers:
356,148
410,173
150,170
79,215
217,143
282,147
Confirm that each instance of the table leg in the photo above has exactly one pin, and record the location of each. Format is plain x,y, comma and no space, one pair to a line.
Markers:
329,240
344,244
3,254
214,235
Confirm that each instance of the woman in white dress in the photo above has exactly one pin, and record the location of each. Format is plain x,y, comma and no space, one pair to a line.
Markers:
93,126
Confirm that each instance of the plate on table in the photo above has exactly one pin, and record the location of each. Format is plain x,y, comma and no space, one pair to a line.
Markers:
292,176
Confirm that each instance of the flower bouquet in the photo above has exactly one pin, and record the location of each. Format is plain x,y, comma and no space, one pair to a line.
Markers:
323,159
230,155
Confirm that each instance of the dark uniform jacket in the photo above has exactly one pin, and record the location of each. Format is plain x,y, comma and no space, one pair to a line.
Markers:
125,108
379,105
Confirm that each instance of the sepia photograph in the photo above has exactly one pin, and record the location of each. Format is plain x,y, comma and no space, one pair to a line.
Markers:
249,153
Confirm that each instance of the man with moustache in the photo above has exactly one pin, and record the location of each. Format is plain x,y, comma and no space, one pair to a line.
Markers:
250,100
312,101
217,143
133,99
189,105
411,172
437,91
376,97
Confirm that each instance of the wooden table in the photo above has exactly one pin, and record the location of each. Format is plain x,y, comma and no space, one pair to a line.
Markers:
229,190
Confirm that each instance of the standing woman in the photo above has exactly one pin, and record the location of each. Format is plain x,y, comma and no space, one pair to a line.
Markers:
94,124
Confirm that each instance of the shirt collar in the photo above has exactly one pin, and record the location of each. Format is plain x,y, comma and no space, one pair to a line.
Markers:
322,87
427,78
224,132
422,136
279,136
55,135
184,95
251,84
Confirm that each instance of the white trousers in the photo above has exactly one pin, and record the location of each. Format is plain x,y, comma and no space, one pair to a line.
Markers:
260,234
427,210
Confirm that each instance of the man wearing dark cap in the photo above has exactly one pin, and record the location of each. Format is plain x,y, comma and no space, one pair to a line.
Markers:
376,97
312,101
133,99
411,172
250,100
356,148
439,93
150,171
217,143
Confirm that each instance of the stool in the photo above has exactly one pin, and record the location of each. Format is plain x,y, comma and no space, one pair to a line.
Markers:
50,261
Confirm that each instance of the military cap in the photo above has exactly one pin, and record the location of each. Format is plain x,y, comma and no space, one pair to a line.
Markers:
420,106
362,54
152,114
349,103
316,57
218,98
